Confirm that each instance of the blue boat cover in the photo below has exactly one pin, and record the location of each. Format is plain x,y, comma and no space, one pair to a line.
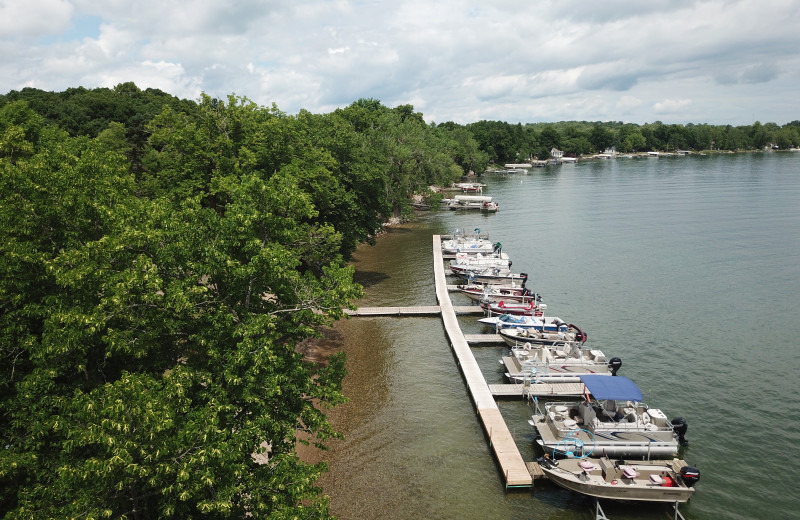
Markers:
619,388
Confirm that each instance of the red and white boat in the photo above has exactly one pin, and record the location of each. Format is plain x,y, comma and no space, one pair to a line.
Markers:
532,307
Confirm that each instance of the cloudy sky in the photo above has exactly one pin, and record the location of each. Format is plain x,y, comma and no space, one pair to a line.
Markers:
638,61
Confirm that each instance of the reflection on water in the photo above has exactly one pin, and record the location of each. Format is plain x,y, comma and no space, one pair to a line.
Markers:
686,268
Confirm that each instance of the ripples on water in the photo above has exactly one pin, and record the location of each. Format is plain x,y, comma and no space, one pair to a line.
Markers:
687,268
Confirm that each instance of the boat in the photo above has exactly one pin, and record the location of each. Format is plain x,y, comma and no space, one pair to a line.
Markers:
495,293
465,261
470,187
492,275
470,245
559,363
531,307
611,421
480,202
551,330
525,321
648,481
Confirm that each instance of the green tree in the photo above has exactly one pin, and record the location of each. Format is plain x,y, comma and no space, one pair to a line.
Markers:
152,369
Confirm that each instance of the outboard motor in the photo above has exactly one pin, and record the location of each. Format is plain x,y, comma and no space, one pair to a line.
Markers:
614,364
524,277
690,475
680,427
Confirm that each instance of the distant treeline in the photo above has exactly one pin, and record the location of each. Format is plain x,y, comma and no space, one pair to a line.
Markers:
505,142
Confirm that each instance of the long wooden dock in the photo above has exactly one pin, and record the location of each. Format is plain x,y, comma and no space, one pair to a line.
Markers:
515,471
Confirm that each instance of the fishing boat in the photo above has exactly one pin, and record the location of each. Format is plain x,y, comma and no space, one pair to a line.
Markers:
533,307
495,293
536,330
559,363
540,323
492,275
648,481
470,245
610,421
465,262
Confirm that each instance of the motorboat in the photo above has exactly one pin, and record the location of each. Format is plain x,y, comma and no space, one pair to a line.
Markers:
611,421
614,479
559,363
480,202
540,323
551,330
470,187
470,246
532,307
496,293
475,242
492,275
464,262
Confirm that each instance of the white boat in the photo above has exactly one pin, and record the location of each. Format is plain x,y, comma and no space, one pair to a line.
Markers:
465,261
552,330
560,363
493,275
525,321
647,481
495,293
479,202
614,422
470,245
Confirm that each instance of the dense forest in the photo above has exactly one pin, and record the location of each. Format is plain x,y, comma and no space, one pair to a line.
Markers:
163,258
161,261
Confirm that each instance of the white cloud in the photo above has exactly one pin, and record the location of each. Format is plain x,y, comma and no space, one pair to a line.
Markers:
670,106
462,60
33,18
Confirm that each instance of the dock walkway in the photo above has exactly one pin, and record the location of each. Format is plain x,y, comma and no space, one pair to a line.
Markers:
515,471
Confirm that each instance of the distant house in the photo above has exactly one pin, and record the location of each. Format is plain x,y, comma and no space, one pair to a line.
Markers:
610,153
555,153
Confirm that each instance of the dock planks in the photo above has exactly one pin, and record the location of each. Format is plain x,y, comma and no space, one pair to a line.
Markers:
505,448
419,310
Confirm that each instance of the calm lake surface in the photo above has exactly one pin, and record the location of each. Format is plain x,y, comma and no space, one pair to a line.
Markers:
688,268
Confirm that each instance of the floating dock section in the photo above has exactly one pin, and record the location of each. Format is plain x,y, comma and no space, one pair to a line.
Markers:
514,468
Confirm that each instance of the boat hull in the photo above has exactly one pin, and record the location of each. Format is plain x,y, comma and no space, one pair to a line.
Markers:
608,481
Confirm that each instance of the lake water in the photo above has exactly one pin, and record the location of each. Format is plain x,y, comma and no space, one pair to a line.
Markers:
687,268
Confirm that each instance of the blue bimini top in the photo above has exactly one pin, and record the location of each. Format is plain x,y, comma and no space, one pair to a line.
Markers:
619,388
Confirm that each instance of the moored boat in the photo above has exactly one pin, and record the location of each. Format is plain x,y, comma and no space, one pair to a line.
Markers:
614,422
547,333
464,262
495,293
559,363
533,307
648,481
493,275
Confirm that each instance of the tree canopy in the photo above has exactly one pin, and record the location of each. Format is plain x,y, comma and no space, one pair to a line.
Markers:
162,259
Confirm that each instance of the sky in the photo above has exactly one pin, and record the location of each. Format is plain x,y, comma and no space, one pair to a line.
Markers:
636,61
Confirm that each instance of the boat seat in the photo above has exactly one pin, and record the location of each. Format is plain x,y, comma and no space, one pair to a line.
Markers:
570,424
587,465
656,480
629,472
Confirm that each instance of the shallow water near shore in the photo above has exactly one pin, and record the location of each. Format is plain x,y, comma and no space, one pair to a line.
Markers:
685,267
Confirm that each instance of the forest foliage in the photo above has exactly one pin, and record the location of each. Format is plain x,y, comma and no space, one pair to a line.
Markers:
161,261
